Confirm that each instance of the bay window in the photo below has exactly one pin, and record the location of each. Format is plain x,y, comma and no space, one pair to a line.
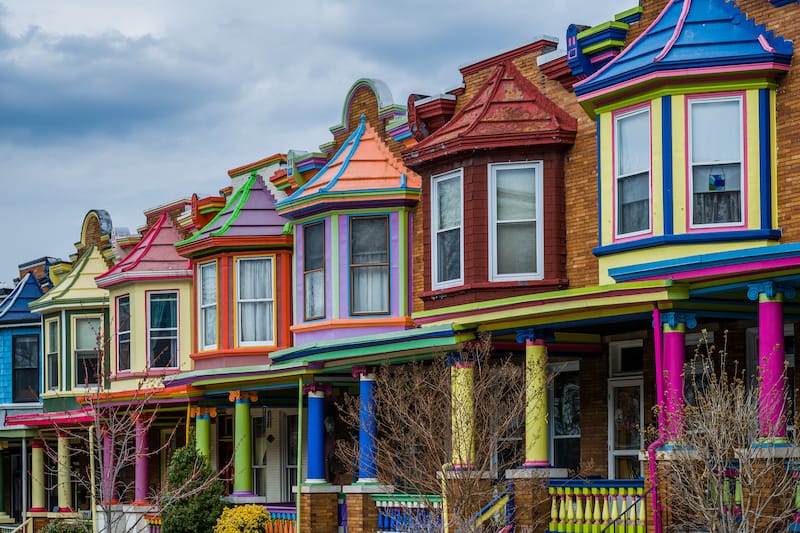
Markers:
715,129
255,301
162,333
314,270
514,226
208,306
123,333
25,368
87,344
447,216
632,172
369,265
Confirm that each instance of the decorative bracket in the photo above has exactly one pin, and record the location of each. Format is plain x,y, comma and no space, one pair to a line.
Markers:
673,318
770,289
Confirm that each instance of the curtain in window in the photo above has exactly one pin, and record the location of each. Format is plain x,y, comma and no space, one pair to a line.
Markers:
255,300
515,211
634,203
163,330
314,270
369,263
87,339
208,303
448,234
633,173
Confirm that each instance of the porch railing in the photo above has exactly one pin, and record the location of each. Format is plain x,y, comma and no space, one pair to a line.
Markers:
398,513
153,522
283,518
502,506
591,506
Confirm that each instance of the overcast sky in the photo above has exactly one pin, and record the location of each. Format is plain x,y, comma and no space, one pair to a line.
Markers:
124,106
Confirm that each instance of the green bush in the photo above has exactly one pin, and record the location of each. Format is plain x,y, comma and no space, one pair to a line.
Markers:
66,526
243,519
198,513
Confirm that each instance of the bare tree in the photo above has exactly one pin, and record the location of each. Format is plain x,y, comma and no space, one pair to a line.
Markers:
720,478
415,422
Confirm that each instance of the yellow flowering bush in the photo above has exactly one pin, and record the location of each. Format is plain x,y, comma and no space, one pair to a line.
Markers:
243,519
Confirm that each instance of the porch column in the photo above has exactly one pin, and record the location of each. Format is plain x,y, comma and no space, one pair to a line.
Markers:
109,490
243,446
64,493
771,351
202,429
37,477
316,431
674,326
537,431
4,518
462,374
142,465
367,426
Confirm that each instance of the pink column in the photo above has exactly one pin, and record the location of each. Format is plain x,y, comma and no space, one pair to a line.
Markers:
142,469
674,328
109,490
771,351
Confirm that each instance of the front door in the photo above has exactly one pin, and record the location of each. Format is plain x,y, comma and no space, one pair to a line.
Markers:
625,425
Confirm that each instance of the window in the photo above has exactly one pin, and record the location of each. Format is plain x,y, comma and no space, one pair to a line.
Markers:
515,234
255,301
565,406
26,368
208,306
369,265
162,334
314,270
448,231
52,341
87,344
716,161
123,333
632,172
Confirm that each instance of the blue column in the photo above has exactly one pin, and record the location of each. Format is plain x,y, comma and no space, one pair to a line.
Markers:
316,432
367,427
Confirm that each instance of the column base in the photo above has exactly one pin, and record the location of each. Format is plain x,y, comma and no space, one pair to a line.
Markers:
141,503
539,472
242,498
37,510
367,488
65,510
318,488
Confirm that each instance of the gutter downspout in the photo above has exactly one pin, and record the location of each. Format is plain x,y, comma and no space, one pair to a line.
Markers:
299,476
651,450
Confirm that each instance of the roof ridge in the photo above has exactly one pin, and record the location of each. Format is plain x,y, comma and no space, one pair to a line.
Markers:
11,297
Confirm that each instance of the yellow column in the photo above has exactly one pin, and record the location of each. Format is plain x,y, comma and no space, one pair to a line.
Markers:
64,493
463,412
536,425
37,477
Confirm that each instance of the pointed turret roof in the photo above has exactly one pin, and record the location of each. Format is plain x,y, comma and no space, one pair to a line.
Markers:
249,214
363,173
507,111
78,288
14,308
691,38
153,257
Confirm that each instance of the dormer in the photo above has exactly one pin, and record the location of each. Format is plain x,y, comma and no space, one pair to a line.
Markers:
686,120
353,226
242,274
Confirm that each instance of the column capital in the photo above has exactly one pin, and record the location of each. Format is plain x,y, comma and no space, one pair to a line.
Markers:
364,372
203,412
772,290
322,389
674,319
240,396
455,359
535,335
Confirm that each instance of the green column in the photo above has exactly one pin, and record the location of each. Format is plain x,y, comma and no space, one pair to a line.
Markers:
243,460
202,429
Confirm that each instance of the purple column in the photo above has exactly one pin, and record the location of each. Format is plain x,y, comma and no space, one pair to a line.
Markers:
771,351
316,431
674,326
109,490
142,472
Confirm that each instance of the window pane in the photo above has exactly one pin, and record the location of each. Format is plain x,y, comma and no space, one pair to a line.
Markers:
627,422
448,197
210,326
633,197
163,311
566,404
633,144
255,321
516,193
567,453
368,245
87,332
255,279
26,368
52,371
314,246
255,300
371,289
124,352
516,248
124,313
52,336
716,131
208,282
314,283
26,351
448,250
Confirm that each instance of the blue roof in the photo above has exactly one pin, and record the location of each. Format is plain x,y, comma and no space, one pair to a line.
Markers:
14,308
692,34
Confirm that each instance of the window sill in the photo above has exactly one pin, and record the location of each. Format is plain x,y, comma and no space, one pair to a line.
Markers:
536,284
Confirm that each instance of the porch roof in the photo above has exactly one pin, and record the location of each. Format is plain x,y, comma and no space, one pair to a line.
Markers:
59,418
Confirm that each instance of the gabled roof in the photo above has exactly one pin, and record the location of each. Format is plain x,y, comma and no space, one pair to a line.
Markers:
250,213
14,308
153,257
78,288
508,111
363,173
691,38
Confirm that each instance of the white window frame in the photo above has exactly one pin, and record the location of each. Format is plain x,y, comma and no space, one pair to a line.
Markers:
538,273
618,176
691,102
175,362
307,272
75,318
435,180
354,267
50,343
614,357
238,301
121,332
202,307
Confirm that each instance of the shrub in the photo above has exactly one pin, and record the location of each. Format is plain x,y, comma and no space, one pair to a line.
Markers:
189,473
243,519
66,526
